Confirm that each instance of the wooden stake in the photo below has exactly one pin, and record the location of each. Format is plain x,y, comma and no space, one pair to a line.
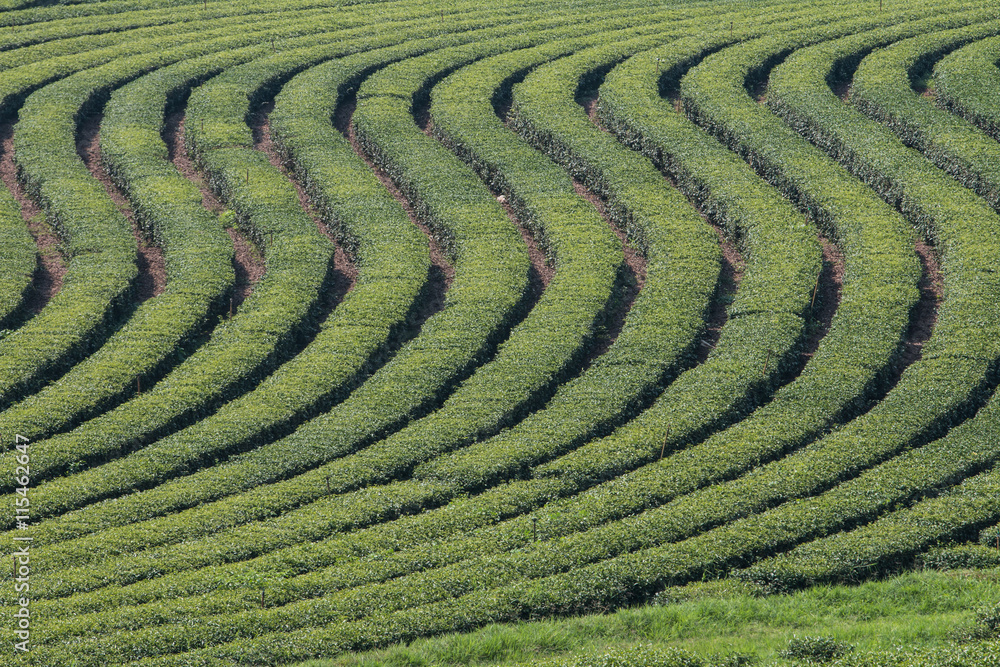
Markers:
815,289
328,485
731,25
248,177
262,598
534,528
274,50
663,447
763,373
230,306
138,386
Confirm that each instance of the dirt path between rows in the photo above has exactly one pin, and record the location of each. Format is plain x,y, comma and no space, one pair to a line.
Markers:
248,263
51,267
152,278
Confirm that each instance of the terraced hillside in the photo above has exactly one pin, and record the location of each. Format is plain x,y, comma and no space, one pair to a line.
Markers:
329,324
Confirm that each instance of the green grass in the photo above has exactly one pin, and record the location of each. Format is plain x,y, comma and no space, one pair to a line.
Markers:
918,611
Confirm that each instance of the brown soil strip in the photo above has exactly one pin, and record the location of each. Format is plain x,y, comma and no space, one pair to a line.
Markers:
152,278
173,135
759,91
248,265
588,100
633,259
924,315
541,272
51,266
842,89
733,265
733,268
345,273
826,295
442,273
635,269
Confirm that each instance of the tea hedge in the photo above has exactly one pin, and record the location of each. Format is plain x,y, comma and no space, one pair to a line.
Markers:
886,545
370,481
162,331
803,296
284,499
18,263
24,78
966,81
481,383
285,385
881,89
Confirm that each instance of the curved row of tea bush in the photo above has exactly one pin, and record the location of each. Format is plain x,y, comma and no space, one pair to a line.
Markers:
91,87
463,79
853,357
789,80
162,561
744,445
892,538
173,405
804,297
69,14
936,463
966,82
257,344
879,415
86,41
17,266
324,590
959,221
591,588
566,266
891,542
271,531
365,402
759,345
662,321
797,70
162,330
97,238
166,528
26,77
881,88
494,379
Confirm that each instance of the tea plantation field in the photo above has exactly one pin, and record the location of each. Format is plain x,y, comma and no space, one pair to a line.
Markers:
327,325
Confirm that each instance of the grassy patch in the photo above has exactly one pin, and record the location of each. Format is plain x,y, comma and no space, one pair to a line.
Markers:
919,611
